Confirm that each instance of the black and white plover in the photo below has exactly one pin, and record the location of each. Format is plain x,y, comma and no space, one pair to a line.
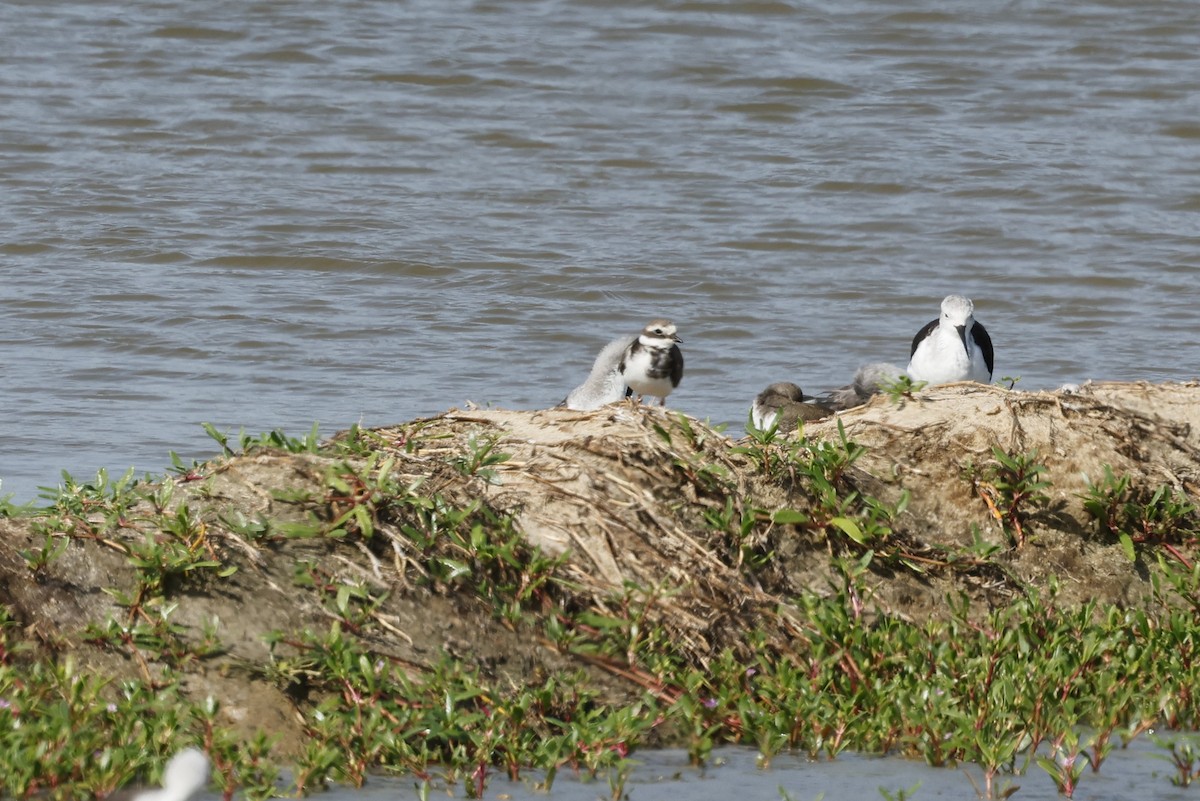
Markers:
653,364
784,406
605,384
953,347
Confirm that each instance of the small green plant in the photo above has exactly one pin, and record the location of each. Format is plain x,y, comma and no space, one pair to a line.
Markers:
54,544
481,457
618,776
784,795
152,636
360,493
902,389
1066,763
762,436
10,509
309,443
353,603
1013,487
1137,516
980,551
1183,755
358,442
900,795
185,471
93,507
740,526
176,551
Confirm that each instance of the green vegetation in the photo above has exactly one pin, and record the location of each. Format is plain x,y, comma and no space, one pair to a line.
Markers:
1022,685
901,389
1162,516
1013,487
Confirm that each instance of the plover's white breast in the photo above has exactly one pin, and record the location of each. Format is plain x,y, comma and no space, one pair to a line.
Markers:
639,368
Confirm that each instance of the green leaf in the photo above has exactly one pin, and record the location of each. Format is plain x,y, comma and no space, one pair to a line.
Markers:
1127,546
785,516
850,529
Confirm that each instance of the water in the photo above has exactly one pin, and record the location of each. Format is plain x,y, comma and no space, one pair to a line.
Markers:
266,214
1137,772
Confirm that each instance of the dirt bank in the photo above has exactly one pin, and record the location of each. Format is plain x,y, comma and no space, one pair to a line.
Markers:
704,536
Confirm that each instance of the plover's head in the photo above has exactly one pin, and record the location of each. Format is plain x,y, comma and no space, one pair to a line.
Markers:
957,310
659,333
779,393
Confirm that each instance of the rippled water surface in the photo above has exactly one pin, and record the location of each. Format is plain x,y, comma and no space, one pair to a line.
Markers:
1137,772
266,214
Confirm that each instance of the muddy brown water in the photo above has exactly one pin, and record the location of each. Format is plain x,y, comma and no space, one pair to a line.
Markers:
262,214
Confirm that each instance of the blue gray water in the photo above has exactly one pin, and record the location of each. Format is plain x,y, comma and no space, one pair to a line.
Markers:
1137,772
265,214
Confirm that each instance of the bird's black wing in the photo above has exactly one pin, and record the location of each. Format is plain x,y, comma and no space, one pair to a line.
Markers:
676,365
921,335
980,335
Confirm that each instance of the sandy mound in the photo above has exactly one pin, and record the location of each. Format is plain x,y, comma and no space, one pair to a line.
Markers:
704,537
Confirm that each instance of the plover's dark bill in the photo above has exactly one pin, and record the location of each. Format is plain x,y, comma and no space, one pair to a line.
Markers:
653,363
953,347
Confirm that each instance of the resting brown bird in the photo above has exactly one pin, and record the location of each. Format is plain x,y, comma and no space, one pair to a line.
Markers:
785,406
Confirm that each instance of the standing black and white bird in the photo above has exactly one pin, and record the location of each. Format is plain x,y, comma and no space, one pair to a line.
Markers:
653,364
953,347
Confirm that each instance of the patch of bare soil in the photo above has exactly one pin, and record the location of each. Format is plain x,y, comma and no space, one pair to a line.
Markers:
629,495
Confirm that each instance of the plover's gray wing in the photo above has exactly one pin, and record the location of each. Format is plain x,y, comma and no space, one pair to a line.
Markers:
791,415
841,398
604,383
868,380
871,378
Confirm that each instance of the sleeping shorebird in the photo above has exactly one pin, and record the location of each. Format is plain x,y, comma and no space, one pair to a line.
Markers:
784,406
